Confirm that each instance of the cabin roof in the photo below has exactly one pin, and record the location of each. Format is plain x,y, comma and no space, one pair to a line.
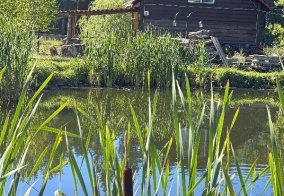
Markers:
131,6
134,3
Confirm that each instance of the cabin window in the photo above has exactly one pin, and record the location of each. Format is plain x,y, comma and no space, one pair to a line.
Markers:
201,1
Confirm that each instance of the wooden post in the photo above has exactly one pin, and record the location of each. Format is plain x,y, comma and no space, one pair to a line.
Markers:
69,29
135,21
258,25
73,26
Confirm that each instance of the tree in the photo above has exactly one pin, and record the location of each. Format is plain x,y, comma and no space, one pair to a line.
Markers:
99,27
275,24
33,14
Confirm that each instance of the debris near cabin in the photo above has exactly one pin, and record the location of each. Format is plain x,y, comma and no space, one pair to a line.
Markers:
259,63
213,47
242,57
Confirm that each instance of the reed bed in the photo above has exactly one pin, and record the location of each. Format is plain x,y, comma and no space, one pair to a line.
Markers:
155,177
17,136
16,46
124,61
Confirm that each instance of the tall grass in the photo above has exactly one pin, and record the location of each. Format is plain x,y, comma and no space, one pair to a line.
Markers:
125,60
17,136
15,47
275,159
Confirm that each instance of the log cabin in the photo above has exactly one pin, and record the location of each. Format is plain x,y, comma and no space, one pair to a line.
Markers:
236,22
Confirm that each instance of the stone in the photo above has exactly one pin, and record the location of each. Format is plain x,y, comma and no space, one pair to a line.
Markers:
72,50
53,51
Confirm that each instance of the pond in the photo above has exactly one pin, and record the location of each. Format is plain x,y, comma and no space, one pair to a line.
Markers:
250,135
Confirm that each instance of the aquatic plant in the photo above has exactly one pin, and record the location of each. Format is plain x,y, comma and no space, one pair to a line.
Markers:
17,136
156,173
126,60
275,159
15,47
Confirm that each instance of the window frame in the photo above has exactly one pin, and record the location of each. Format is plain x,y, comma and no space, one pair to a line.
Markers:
201,1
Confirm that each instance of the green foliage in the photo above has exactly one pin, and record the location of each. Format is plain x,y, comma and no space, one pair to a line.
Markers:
237,78
274,24
73,72
15,50
120,61
97,28
69,72
16,138
29,14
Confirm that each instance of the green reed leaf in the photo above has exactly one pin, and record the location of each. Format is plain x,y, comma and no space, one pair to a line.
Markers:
85,153
54,114
36,94
280,93
78,172
55,130
36,165
243,185
229,183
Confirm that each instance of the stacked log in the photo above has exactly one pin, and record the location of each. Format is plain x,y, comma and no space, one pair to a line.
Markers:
260,63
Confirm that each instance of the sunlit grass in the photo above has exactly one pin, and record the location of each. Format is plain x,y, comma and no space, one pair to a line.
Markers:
14,56
46,42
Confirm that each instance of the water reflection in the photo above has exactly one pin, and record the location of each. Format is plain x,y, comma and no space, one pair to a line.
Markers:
250,135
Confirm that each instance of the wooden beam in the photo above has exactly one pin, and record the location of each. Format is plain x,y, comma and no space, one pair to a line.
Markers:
97,12
219,50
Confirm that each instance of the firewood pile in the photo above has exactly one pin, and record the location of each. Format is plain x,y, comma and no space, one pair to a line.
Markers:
261,63
193,37
212,45
252,57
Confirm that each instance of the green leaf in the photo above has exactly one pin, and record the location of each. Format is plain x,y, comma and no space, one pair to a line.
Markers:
54,130
36,94
52,116
41,156
78,172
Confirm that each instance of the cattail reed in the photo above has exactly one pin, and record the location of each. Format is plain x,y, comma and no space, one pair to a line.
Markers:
127,181
127,173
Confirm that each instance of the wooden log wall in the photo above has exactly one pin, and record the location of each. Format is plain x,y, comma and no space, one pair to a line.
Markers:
231,21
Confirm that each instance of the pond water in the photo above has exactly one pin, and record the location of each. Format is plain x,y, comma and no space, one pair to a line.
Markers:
250,135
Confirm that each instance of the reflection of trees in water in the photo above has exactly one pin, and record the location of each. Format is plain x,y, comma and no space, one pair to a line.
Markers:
249,136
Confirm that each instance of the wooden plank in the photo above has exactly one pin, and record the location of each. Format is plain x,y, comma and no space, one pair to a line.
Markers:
219,50
98,12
